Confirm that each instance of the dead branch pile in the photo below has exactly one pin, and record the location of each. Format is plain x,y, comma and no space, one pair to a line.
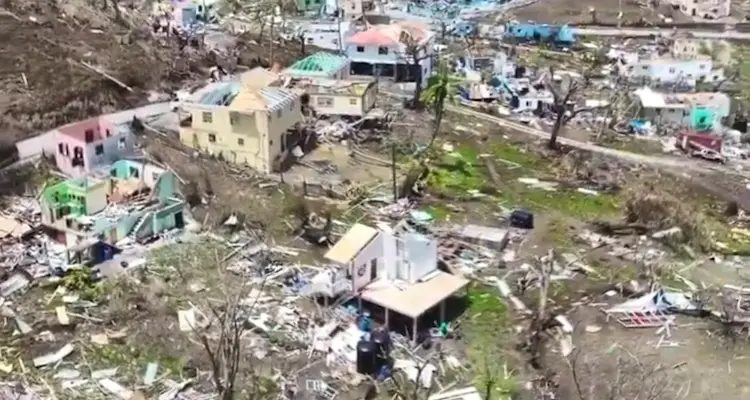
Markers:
656,208
590,169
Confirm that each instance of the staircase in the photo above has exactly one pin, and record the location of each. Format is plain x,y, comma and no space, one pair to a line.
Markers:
138,225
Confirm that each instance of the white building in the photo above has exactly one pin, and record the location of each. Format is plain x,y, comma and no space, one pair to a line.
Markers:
683,109
326,35
706,9
382,51
397,272
673,71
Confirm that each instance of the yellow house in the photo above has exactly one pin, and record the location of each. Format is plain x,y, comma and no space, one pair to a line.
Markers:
244,122
354,98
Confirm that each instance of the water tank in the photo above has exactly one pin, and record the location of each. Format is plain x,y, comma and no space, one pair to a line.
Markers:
366,358
382,340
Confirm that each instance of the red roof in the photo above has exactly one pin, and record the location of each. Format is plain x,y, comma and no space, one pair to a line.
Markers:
387,35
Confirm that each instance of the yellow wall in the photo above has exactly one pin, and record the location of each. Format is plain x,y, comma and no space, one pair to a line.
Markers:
345,104
259,133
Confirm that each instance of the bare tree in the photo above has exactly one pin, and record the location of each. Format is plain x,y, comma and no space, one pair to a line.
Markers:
221,336
414,53
539,320
565,97
620,376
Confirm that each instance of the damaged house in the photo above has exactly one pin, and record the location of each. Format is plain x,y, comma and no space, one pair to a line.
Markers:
347,98
397,273
84,146
384,51
129,199
671,71
247,121
698,111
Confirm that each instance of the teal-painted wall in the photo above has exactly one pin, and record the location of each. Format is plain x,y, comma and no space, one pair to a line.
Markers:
165,186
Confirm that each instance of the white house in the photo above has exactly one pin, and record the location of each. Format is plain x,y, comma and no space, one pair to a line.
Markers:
684,109
397,272
673,71
706,9
326,35
387,51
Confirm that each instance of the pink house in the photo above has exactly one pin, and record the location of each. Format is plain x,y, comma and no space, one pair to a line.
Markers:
83,146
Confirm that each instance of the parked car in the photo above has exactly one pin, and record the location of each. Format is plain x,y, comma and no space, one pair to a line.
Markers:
708,154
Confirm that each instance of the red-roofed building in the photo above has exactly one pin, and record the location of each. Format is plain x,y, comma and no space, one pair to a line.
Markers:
383,51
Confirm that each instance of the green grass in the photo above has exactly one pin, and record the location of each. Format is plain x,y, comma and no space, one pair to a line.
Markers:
568,202
132,359
458,173
488,334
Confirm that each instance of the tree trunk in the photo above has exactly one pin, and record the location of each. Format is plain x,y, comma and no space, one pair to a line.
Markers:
271,55
417,85
439,108
262,27
552,144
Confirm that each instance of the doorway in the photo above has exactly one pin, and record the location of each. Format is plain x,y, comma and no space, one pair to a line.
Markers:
179,220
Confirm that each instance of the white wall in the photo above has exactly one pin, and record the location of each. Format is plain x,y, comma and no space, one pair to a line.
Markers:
363,262
421,256
116,147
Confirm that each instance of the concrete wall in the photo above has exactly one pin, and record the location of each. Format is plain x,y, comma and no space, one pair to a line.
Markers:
115,147
253,139
65,150
340,104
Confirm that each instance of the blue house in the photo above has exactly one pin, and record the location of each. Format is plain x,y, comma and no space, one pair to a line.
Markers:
560,34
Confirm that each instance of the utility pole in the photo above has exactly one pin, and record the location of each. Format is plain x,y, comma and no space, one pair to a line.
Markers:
393,171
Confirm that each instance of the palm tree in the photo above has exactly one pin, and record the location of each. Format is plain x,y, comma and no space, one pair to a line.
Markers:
440,87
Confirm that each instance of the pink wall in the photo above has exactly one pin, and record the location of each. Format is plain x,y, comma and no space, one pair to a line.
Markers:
71,139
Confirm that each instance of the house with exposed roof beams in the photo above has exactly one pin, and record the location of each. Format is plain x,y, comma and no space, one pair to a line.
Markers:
388,51
249,121
319,65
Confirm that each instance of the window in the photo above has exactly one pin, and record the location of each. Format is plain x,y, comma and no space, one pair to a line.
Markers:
89,134
241,141
353,101
325,101
309,40
382,50
208,117
672,70
154,176
67,150
212,138
335,42
108,133
702,66
99,150
644,67
360,49
354,6
61,148
278,114
133,172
